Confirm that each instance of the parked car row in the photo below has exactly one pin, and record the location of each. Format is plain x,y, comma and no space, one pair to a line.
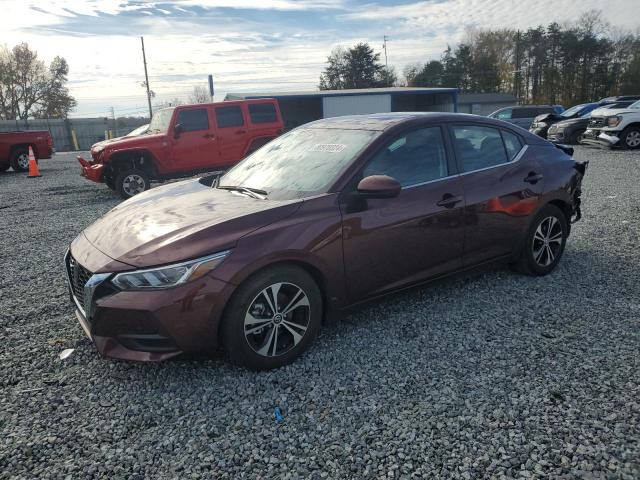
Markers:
612,121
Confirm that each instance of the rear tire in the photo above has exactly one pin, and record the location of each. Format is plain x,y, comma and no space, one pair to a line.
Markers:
544,242
20,160
630,138
272,318
131,181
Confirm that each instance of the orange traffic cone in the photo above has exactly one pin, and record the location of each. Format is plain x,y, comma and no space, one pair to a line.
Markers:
33,165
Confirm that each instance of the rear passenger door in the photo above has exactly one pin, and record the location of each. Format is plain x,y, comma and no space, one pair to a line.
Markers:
233,134
502,184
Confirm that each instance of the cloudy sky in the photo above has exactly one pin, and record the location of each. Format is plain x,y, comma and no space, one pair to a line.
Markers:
251,45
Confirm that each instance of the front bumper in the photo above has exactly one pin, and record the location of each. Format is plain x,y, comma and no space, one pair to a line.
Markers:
598,138
148,325
91,171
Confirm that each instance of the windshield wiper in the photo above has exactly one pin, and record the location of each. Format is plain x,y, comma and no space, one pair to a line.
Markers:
252,192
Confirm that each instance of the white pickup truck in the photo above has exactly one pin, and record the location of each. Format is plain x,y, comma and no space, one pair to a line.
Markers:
611,127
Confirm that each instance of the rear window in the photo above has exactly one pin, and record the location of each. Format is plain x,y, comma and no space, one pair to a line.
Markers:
512,143
192,120
525,112
263,113
229,117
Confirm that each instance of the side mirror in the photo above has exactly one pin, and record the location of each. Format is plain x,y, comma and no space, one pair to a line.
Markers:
379,186
177,130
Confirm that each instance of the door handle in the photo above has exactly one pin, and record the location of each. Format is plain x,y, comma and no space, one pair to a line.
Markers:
208,135
240,132
533,178
449,201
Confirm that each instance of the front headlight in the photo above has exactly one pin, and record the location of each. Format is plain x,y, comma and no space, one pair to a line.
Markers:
169,275
614,121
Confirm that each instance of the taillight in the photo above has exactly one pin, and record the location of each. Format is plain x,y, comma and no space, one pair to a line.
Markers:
50,141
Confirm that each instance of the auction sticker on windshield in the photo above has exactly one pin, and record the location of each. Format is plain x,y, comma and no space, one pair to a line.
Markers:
328,147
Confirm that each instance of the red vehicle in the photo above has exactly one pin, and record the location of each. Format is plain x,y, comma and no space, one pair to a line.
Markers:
182,141
14,148
331,214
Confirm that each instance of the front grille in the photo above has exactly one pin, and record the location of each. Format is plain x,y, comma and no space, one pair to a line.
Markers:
596,122
78,277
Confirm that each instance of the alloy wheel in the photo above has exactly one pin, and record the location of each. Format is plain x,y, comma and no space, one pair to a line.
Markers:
633,139
23,160
547,241
277,319
133,184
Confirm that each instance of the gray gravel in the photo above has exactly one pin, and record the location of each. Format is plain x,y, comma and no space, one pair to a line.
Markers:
492,374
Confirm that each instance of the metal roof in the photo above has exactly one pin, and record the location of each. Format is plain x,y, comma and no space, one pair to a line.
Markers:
337,93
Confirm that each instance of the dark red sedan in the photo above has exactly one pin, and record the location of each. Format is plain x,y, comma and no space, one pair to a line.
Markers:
331,214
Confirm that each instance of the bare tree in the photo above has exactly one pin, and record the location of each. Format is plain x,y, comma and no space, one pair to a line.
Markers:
199,95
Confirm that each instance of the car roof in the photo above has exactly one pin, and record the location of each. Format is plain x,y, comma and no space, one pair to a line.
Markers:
384,121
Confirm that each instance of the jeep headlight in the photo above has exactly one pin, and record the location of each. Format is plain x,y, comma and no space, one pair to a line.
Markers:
169,275
614,121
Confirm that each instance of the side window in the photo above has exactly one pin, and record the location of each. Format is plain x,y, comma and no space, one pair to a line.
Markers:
229,117
505,114
524,113
479,147
263,113
512,143
415,157
193,120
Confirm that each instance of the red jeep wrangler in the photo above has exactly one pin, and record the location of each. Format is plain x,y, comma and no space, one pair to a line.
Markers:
183,141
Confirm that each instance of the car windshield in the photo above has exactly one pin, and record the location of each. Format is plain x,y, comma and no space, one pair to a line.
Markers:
579,109
160,121
303,162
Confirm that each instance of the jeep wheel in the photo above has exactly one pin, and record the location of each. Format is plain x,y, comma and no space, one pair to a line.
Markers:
630,138
575,138
20,160
131,181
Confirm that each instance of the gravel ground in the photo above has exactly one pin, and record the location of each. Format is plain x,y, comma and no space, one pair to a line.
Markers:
488,375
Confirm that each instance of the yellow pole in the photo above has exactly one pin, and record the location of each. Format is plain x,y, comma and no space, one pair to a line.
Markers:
75,139
110,133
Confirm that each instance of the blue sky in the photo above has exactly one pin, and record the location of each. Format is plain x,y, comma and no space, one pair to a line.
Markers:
251,45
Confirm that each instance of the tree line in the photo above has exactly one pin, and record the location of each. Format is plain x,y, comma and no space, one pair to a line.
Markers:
567,64
29,88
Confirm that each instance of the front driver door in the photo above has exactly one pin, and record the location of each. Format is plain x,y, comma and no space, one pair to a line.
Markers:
195,147
393,242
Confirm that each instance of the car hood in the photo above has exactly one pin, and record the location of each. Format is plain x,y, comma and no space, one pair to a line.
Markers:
607,112
572,121
180,221
128,142
548,117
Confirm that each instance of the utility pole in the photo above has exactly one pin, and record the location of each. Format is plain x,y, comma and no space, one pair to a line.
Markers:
384,46
146,78
115,124
516,78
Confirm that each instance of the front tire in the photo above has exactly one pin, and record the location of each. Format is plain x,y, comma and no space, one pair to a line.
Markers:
272,318
630,138
575,138
20,160
131,181
544,243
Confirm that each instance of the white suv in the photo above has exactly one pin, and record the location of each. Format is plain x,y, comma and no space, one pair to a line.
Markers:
614,127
